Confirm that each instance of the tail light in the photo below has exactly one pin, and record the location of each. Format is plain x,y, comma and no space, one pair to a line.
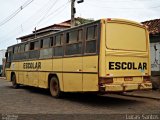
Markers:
146,79
105,81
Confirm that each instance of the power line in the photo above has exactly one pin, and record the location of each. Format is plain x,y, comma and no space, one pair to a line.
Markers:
27,22
153,7
60,9
126,0
43,17
7,40
7,19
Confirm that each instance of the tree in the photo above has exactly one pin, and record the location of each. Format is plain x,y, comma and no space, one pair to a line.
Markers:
80,21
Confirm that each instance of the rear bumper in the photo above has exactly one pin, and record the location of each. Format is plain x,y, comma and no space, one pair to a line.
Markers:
125,87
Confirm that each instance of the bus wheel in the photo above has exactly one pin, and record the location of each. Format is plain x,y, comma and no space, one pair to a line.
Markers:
54,88
14,83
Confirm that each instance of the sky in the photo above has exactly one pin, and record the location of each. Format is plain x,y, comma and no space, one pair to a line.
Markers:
17,20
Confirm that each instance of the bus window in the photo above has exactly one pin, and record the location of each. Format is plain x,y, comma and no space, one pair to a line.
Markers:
72,49
22,48
16,49
58,49
44,43
41,44
134,40
91,37
72,37
91,46
19,49
46,52
26,47
9,56
91,32
80,35
58,40
51,41
34,45
73,46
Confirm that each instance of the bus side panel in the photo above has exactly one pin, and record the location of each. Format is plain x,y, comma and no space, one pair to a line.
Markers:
44,73
57,69
8,74
72,82
26,82
72,74
33,78
57,65
46,65
21,77
90,73
90,82
43,80
29,76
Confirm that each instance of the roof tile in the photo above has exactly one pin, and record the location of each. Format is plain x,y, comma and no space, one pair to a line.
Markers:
153,26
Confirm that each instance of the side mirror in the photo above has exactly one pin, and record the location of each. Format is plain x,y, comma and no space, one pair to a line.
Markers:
6,54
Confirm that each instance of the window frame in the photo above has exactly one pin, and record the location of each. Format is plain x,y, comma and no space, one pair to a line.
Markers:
20,49
77,42
43,44
16,47
52,41
88,40
59,45
82,38
67,40
38,41
26,44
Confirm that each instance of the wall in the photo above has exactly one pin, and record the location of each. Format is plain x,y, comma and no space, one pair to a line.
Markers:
2,55
155,60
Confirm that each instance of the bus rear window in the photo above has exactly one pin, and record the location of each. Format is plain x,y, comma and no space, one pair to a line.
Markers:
126,37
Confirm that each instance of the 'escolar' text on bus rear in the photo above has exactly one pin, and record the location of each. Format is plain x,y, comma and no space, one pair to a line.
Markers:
127,66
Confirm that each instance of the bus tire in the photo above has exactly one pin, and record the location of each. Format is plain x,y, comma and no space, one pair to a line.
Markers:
14,82
55,88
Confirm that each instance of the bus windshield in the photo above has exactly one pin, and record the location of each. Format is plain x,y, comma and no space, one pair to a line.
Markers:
126,37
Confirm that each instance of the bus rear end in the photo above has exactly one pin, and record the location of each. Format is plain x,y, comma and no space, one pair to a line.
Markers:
125,58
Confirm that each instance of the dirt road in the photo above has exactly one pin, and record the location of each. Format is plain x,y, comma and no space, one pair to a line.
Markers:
30,100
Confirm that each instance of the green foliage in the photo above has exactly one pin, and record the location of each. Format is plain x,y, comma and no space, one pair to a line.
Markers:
80,21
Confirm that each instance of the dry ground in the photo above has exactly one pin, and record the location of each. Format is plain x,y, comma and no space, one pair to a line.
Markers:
29,100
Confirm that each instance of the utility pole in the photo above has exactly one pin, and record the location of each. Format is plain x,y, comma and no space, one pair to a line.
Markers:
35,32
73,11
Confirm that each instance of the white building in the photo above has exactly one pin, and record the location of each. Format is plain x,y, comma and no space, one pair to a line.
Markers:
2,55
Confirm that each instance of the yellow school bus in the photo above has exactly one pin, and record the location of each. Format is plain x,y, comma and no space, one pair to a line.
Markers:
107,55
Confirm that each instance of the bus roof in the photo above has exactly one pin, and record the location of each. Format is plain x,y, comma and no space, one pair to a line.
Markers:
103,19
122,20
